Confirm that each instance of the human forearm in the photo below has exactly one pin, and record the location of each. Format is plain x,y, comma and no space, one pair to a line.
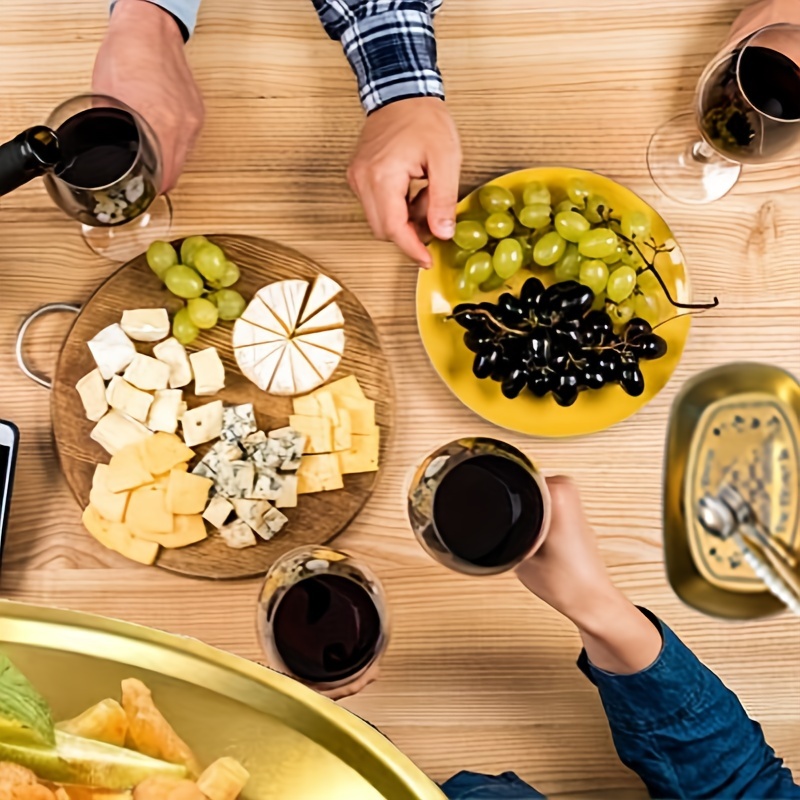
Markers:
184,12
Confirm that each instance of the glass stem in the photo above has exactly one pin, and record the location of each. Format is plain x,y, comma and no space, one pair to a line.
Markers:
703,152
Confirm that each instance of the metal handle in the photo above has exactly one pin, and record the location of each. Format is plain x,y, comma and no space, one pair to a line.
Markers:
771,579
50,308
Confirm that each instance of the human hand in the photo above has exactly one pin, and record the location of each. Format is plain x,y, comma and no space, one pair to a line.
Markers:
370,676
763,13
142,63
402,142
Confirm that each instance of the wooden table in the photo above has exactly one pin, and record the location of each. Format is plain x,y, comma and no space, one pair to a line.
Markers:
479,674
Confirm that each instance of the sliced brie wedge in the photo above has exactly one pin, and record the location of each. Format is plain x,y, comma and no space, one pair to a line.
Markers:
294,293
258,362
274,299
328,317
323,362
322,292
260,314
246,334
332,340
306,378
283,380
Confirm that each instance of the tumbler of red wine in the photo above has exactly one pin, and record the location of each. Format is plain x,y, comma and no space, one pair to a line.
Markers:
747,111
322,618
479,506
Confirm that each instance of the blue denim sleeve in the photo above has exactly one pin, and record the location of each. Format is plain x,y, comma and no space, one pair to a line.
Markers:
472,786
685,733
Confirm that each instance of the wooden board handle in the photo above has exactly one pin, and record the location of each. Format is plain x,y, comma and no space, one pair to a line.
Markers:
50,308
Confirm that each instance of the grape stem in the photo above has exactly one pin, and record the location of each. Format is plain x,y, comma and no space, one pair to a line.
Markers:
484,313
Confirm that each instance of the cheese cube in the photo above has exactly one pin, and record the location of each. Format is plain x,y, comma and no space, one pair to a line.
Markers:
318,430
342,433
189,529
237,535
173,353
361,412
147,510
209,374
112,351
165,410
202,424
287,496
92,391
363,455
252,512
128,399
319,473
126,470
115,430
162,452
147,373
110,505
187,493
146,324
225,779
218,511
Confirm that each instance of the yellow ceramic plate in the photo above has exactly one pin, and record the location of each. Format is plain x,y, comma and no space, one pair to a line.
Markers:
594,410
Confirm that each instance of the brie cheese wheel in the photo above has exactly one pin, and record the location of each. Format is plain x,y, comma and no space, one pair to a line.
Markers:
274,299
322,292
260,314
246,334
295,293
306,378
258,362
332,340
282,382
328,317
323,362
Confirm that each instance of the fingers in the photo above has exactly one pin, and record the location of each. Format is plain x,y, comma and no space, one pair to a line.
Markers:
418,214
444,168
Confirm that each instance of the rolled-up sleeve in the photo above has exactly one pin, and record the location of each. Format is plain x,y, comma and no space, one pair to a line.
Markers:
184,12
390,45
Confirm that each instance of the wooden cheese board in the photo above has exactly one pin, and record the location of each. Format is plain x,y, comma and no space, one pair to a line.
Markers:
318,517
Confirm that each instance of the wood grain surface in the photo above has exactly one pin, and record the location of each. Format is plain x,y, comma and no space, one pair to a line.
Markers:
479,674
318,517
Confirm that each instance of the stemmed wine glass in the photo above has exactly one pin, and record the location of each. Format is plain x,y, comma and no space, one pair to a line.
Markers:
747,111
323,619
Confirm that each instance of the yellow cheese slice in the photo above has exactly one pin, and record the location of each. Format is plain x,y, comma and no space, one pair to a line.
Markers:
363,455
308,406
127,471
189,529
163,451
361,412
319,473
116,536
318,430
110,505
187,493
345,387
147,510
327,407
342,433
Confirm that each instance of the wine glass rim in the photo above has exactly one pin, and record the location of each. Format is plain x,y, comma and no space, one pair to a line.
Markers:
748,42
141,127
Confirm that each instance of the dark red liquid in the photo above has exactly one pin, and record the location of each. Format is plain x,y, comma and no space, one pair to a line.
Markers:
326,628
98,147
488,510
771,82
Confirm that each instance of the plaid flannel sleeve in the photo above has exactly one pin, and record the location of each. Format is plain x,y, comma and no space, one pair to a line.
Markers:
390,45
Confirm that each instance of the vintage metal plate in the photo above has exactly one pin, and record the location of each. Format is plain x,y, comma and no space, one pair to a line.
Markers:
296,744
593,411
739,423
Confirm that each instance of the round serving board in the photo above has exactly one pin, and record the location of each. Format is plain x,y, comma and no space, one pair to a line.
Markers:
318,517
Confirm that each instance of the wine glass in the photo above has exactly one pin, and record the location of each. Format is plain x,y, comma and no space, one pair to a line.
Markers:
323,619
478,506
108,175
747,111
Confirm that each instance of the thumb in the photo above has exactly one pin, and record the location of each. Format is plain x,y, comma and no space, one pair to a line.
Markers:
443,175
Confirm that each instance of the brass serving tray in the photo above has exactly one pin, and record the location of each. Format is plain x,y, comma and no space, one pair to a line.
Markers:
738,423
296,744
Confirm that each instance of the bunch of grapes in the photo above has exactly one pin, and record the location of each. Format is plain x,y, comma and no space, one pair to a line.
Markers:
203,277
578,237
553,341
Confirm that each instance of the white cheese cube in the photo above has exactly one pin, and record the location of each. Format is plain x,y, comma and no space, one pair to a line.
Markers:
288,494
146,324
237,535
128,399
92,391
165,411
173,353
112,351
274,521
209,374
202,424
218,511
147,373
115,431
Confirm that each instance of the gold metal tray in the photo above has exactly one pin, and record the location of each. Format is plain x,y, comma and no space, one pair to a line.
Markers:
296,744
739,423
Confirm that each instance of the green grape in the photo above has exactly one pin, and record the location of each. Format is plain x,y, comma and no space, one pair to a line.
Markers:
183,281
536,215
565,205
160,257
594,274
635,225
571,225
616,256
479,267
229,303
203,313
499,225
230,276
621,284
647,307
183,329
472,216
507,258
598,243
527,250
549,249
460,258
495,198
599,303
596,205
632,259
648,282
470,235
465,288
495,282
536,193
569,265
209,261
577,191
190,244
621,313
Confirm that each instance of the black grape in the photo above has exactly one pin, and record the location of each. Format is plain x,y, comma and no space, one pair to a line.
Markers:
631,379
514,383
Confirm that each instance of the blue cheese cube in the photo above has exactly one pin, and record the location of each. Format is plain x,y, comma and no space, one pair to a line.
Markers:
238,422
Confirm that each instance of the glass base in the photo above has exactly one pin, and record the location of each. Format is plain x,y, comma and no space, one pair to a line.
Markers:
124,242
685,167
